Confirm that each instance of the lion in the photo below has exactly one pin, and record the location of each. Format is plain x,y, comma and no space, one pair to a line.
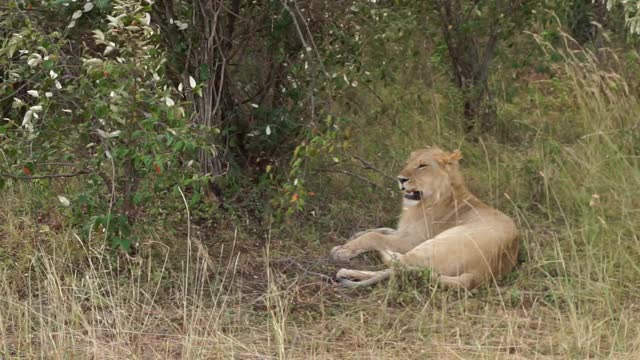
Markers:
443,227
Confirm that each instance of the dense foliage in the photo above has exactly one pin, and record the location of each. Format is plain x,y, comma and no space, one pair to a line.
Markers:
222,101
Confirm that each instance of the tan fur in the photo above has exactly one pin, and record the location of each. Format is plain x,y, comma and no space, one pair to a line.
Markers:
462,240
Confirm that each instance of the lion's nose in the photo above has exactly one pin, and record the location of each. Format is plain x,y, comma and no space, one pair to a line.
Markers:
402,180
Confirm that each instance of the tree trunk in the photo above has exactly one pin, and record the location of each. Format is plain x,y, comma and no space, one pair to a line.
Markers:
471,54
208,47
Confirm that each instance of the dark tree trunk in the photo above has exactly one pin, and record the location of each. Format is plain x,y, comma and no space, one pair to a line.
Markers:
471,55
208,51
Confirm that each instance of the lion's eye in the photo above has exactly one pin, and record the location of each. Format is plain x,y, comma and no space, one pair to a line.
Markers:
422,166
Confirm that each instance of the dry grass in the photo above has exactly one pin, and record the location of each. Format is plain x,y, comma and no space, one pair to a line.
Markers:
572,297
575,295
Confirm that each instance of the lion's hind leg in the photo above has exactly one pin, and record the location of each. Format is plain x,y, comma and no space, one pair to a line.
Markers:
465,281
355,278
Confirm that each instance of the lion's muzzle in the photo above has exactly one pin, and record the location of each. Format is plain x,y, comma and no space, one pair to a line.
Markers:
401,181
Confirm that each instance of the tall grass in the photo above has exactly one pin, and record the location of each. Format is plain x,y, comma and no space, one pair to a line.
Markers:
94,306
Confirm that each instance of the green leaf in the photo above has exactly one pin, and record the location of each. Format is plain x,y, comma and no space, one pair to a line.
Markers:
137,134
48,65
195,199
203,70
138,198
123,243
103,4
179,145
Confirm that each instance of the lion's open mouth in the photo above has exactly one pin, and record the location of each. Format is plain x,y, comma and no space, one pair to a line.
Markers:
413,195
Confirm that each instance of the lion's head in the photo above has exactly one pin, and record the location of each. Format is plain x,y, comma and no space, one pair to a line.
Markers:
430,174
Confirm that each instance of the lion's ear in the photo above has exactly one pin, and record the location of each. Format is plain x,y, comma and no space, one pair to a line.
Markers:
449,158
454,157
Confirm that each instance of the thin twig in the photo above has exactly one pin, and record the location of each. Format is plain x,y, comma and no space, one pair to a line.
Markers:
25,9
50,176
373,92
369,166
57,163
359,177
26,83
201,248
306,271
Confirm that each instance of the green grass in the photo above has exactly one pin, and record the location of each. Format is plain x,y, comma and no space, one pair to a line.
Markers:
564,163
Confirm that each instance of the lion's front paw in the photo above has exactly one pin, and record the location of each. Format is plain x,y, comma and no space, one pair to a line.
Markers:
382,231
389,257
343,253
